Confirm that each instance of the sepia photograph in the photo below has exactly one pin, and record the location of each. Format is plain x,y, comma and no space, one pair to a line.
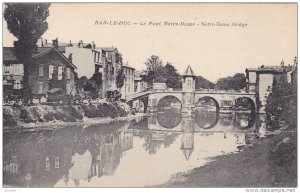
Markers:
149,95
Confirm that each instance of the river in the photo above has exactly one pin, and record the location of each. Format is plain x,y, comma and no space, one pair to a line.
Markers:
143,152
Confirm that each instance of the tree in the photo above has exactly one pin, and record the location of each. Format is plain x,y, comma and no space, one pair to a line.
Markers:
201,82
157,72
237,82
97,80
120,78
281,104
173,79
154,70
27,22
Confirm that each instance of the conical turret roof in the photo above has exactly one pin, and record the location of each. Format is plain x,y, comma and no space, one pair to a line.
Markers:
189,71
187,153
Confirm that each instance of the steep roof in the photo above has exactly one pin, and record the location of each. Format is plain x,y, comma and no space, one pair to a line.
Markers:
189,71
9,54
46,51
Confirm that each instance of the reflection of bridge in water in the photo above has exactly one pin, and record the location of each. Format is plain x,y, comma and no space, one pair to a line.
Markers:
203,121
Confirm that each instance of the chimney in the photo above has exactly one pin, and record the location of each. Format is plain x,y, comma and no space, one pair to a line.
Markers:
70,57
93,45
55,42
40,42
282,63
80,43
70,44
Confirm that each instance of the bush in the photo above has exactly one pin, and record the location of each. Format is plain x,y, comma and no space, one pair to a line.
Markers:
9,118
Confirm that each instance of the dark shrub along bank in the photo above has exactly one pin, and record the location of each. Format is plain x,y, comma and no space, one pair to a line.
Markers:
16,115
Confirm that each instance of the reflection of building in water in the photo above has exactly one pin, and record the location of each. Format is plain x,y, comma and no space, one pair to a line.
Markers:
240,138
187,137
261,125
34,161
111,149
126,140
80,171
42,159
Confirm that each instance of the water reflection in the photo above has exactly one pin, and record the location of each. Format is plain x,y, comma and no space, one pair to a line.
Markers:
122,153
206,119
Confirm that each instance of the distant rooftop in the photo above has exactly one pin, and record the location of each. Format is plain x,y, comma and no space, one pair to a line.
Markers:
277,69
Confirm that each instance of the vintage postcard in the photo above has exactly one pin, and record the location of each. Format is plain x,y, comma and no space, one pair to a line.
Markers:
150,95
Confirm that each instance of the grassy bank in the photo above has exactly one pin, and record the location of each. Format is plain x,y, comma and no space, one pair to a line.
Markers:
270,162
16,116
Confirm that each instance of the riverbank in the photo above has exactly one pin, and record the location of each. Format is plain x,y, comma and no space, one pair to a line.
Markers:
269,162
45,117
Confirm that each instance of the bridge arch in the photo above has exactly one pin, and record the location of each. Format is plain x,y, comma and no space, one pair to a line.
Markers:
169,102
244,103
207,99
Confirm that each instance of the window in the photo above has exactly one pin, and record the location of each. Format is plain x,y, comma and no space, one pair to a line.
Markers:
47,164
112,70
109,56
60,73
68,88
17,85
189,84
41,70
8,69
18,69
15,168
40,87
51,71
68,73
109,139
56,162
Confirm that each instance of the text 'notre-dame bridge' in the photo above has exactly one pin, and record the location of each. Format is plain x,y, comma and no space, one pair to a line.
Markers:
189,98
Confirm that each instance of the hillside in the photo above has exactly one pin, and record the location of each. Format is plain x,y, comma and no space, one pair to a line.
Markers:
203,83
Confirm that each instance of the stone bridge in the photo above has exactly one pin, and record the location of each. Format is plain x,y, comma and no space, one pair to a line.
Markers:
188,100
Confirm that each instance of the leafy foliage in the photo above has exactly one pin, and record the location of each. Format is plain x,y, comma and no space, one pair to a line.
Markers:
90,85
27,22
281,104
237,82
120,78
157,72
201,82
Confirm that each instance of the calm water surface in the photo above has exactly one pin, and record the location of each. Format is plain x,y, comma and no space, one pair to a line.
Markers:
142,152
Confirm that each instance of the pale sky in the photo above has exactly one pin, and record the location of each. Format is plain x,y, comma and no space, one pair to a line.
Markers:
212,51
